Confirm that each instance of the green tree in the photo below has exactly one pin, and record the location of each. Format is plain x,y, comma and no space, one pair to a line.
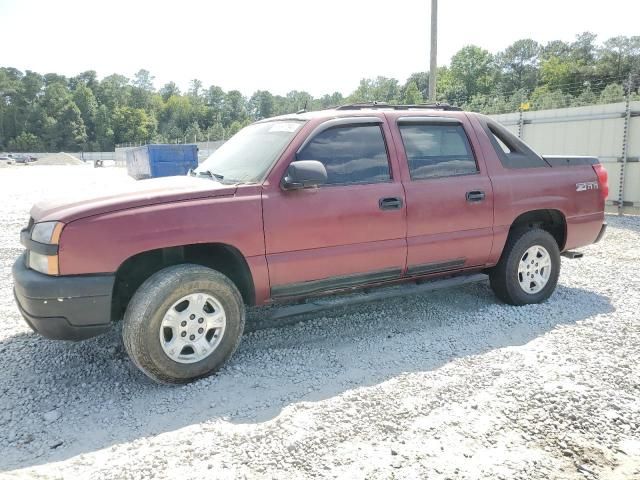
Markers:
9,100
364,92
586,97
31,87
25,142
412,95
612,93
132,125
584,49
386,90
421,79
59,119
178,112
544,98
143,80
555,48
619,56
327,101
113,91
142,89
234,108
261,105
88,105
473,69
298,100
560,74
214,98
519,65
380,89
195,88
104,129
169,90
51,78
234,128
89,78
449,88
215,132
193,133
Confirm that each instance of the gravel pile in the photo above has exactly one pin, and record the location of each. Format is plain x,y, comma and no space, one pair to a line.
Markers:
58,159
451,384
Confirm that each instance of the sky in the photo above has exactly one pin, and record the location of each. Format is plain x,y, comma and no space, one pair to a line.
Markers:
282,45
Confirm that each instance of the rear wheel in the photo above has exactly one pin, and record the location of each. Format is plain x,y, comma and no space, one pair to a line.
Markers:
528,269
183,323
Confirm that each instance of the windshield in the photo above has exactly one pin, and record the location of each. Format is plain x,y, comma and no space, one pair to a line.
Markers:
247,155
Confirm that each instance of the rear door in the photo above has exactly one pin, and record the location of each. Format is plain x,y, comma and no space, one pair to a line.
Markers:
448,193
348,232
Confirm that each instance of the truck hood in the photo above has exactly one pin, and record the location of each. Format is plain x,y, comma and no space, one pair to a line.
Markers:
132,195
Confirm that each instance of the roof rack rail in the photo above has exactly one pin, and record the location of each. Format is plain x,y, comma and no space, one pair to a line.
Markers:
434,106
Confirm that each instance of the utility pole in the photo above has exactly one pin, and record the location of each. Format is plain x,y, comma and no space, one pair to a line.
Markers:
433,64
625,146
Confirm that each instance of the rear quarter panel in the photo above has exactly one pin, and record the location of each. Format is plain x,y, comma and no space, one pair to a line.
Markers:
517,191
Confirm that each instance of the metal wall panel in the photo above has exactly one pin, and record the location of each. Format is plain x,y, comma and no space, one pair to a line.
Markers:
590,130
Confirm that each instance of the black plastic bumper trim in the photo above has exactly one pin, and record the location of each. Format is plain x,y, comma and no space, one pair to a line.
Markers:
59,328
63,307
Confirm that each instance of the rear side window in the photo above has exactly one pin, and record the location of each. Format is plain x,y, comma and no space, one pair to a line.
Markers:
501,144
512,152
437,151
351,154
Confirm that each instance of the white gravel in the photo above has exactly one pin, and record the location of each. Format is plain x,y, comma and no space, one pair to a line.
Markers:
451,384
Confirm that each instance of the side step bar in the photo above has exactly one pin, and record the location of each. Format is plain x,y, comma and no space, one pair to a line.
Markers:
570,254
364,296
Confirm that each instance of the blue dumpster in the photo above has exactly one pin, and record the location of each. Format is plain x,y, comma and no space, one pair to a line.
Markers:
161,160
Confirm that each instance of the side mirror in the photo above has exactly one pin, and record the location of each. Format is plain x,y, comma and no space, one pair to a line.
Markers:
304,174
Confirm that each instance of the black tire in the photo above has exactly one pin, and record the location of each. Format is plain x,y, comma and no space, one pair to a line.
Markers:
144,314
504,276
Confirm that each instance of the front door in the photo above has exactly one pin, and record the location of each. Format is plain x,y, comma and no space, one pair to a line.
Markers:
348,232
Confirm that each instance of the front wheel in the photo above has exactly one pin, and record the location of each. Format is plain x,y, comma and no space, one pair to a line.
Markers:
528,269
183,323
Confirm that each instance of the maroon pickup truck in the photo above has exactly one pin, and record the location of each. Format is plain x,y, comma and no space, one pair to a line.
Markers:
298,206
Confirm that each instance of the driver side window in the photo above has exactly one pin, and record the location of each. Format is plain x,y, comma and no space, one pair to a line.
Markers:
351,154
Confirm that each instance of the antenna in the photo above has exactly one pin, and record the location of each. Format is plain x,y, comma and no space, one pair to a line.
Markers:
304,109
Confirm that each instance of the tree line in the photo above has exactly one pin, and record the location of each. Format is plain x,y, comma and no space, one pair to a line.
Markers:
53,112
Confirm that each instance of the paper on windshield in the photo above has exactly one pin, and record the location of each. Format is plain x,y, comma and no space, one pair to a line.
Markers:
285,126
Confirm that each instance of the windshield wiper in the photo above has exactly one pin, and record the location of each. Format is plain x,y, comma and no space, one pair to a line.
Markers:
208,173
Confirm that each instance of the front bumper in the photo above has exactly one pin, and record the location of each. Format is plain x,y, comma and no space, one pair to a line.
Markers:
63,307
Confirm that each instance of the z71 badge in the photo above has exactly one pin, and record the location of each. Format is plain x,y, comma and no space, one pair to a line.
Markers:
584,186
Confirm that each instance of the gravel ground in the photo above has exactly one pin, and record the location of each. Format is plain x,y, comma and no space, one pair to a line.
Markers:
451,384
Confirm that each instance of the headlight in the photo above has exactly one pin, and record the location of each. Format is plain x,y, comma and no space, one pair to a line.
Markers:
43,261
47,232
47,264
